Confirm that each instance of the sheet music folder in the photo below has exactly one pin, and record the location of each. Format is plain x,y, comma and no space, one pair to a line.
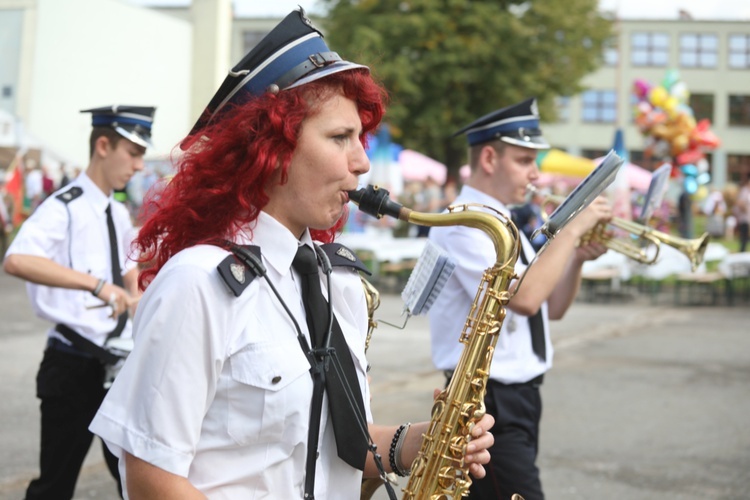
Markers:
425,282
591,187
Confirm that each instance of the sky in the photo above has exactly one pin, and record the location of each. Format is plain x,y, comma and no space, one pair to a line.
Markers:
629,9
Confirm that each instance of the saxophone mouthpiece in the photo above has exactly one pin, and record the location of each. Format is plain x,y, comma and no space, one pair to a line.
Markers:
377,202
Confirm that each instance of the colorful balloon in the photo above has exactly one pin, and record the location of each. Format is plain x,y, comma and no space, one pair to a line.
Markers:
671,78
641,88
690,185
657,96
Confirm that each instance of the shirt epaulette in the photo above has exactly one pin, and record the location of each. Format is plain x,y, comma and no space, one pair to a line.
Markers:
70,195
235,273
341,256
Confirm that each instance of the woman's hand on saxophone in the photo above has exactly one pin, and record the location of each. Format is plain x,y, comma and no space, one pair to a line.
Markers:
478,449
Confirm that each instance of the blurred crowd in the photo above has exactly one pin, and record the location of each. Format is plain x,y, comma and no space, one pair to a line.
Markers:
723,213
26,184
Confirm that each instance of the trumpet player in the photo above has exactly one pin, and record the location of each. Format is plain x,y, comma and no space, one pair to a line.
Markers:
503,148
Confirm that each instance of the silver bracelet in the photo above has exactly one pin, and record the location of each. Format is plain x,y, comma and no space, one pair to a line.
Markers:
99,286
401,470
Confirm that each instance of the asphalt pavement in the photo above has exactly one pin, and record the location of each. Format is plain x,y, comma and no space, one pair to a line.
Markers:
644,401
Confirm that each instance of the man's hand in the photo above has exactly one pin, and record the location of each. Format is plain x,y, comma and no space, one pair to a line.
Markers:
590,251
598,211
117,298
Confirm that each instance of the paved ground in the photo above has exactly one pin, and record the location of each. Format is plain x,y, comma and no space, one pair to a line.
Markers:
644,402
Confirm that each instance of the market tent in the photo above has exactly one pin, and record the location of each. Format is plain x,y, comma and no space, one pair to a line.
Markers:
416,166
558,162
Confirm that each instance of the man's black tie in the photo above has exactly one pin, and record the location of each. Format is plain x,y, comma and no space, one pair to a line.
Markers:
116,270
350,441
536,325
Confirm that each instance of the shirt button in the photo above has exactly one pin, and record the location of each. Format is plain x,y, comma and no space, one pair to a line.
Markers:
276,379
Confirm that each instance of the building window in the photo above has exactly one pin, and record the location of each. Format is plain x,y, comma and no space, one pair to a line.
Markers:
251,38
649,49
739,110
739,51
611,54
599,106
562,105
698,50
702,106
738,168
647,161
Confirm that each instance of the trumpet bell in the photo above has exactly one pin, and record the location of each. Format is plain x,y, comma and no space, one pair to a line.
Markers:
644,242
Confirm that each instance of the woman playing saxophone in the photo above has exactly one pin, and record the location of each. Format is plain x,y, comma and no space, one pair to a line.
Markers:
248,375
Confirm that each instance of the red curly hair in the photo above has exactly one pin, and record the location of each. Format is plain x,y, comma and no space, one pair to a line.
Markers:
220,185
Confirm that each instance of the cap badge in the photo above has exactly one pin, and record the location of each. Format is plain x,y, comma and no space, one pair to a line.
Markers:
534,108
238,271
345,253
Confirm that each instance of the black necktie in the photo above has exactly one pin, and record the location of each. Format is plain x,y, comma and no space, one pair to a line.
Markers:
350,441
536,325
116,270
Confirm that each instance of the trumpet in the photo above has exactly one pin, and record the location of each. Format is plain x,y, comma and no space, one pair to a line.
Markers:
644,242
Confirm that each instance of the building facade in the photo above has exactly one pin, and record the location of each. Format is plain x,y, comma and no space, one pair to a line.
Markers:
200,41
711,57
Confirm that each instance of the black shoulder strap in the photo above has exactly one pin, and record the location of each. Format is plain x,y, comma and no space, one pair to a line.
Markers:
70,195
66,197
235,272
341,256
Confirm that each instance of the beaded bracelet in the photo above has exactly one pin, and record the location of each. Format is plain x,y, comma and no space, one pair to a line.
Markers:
402,471
396,444
99,286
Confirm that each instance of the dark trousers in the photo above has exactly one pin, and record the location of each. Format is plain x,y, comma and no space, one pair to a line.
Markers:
70,389
743,228
517,409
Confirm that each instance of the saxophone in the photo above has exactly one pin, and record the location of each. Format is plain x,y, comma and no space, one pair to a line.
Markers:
439,471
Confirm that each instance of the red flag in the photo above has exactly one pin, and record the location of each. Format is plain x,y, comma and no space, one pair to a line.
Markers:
14,187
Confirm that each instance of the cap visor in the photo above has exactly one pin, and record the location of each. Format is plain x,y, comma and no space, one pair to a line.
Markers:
133,137
336,67
534,142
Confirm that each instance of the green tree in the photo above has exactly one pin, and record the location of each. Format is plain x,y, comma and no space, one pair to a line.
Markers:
447,62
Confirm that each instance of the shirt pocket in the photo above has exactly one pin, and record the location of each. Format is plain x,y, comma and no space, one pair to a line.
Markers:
269,394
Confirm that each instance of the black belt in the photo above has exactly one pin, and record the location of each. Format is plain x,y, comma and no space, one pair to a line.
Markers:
84,346
534,382
60,346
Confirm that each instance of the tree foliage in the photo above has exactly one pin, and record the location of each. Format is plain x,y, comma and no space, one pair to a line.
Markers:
447,62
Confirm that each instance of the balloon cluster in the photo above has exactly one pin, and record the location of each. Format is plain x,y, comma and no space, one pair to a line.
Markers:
664,116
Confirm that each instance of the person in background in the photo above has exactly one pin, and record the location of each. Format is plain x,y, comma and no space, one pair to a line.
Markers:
742,213
73,253
528,217
230,391
33,184
430,201
503,148
6,218
715,208
685,215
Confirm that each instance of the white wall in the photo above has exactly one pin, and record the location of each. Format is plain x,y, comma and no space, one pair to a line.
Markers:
91,53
